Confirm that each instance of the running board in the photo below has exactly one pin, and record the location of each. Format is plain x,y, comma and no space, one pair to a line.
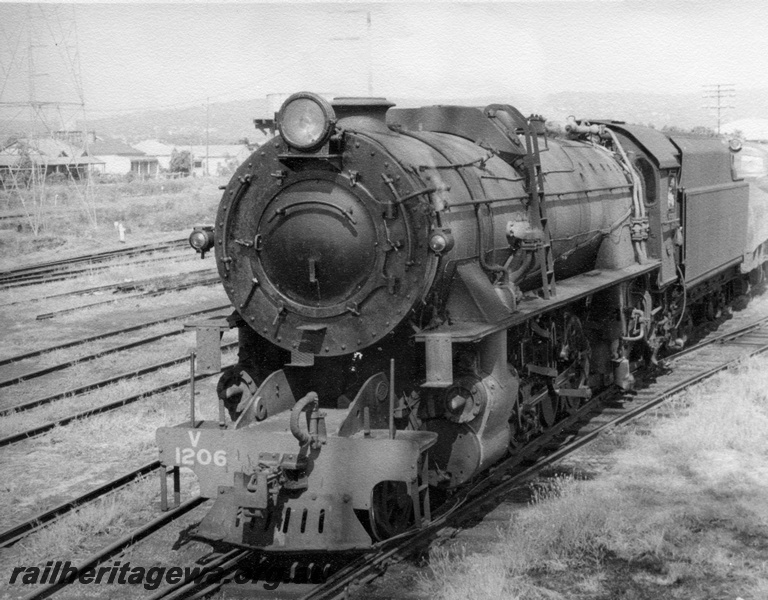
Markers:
568,291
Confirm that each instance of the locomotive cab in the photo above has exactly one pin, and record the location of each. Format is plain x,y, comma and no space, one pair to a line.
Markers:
656,160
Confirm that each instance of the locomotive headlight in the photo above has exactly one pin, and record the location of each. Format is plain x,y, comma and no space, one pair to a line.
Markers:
306,121
201,239
441,241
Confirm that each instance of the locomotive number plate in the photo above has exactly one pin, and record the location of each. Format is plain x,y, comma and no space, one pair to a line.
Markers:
193,455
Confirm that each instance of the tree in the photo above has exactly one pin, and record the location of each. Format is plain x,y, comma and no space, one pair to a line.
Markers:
181,162
704,131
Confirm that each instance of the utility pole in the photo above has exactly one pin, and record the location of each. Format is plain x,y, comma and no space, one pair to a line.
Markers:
719,92
207,127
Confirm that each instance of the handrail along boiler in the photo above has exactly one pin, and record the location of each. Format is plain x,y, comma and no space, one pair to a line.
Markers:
418,292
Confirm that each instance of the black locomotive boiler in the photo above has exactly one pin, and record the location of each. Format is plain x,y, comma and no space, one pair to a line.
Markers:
418,292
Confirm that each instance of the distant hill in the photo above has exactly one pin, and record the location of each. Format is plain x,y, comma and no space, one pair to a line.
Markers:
685,111
229,122
232,121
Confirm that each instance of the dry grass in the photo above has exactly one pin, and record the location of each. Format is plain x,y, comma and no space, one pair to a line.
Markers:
98,368
123,270
83,373
22,332
95,525
684,506
66,461
146,208
42,472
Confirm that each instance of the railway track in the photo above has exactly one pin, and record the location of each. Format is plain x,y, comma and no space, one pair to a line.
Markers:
120,286
45,427
206,281
19,531
12,217
39,270
602,413
95,384
605,411
13,534
118,545
112,333
74,273
93,355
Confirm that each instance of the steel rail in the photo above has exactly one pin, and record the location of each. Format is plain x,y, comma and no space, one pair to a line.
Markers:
92,256
147,294
92,386
80,292
109,551
13,534
123,285
40,429
225,564
54,276
111,333
724,337
63,272
96,256
93,356
8,217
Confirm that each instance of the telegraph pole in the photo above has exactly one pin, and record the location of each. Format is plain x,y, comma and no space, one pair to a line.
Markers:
207,127
719,92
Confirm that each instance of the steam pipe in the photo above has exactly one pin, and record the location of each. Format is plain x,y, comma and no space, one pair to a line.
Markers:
572,126
481,242
303,436
637,201
514,276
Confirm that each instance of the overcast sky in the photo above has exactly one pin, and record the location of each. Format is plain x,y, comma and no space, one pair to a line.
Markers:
143,55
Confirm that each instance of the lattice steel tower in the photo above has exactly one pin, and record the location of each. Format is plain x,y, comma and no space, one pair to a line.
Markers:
41,88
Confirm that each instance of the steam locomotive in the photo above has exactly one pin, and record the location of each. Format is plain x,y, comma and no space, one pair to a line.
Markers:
418,292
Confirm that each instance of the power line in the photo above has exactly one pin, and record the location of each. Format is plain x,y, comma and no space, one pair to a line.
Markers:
719,92
203,100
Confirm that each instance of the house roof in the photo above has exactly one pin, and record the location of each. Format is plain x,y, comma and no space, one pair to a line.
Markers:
10,160
42,147
154,148
45,151
111,147
218,150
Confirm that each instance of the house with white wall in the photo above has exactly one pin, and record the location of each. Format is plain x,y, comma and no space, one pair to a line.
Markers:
159,150
120,158
216,159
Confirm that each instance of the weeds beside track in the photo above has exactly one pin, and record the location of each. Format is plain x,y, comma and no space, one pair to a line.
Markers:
40,429
111,333
54,268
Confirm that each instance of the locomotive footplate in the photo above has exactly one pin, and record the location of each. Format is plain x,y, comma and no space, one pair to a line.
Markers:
568,291
273,494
